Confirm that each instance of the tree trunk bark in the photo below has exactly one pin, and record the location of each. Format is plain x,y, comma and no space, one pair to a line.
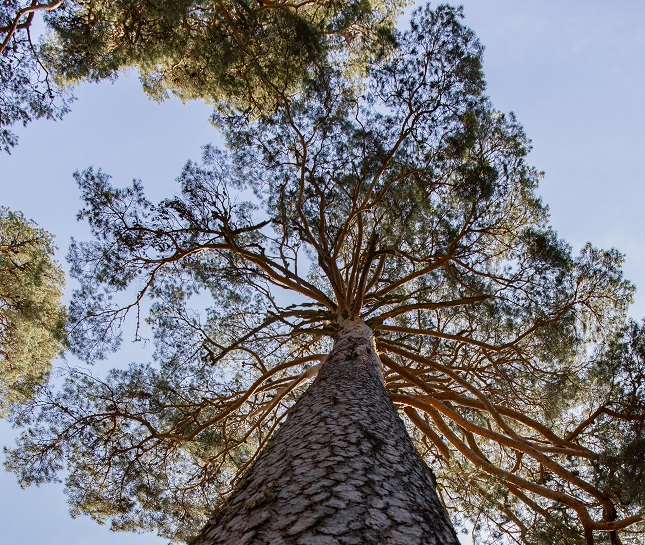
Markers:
341,470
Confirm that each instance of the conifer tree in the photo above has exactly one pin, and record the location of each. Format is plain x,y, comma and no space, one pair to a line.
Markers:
241,52
388,244
32,320
234,51
26,89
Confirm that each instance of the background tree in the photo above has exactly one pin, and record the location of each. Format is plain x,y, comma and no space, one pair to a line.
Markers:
32,319
410,207
237,51
26,90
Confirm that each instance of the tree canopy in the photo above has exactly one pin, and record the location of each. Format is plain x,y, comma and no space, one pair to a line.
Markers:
32,320
238,51
26,89
408,204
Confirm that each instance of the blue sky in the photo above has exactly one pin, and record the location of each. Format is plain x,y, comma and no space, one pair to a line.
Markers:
573,72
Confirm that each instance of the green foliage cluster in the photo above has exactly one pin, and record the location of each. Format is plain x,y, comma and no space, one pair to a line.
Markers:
246,53
241,53
618,377
32,319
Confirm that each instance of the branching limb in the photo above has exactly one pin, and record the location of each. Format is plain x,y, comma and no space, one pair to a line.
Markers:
19,24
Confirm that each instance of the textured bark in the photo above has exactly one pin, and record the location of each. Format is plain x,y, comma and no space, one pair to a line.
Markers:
341,470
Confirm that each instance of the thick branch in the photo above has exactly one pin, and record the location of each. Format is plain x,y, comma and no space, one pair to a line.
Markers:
29,11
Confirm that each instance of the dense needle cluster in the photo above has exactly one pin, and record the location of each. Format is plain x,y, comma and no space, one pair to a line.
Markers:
32,320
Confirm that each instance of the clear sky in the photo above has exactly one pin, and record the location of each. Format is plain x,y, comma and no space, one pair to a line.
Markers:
573,72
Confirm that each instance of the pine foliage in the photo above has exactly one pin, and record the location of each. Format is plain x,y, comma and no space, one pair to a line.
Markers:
32,319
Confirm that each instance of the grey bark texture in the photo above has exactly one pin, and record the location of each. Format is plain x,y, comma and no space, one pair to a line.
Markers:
341,470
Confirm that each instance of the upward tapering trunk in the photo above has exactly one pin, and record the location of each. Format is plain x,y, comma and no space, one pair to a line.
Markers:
341,470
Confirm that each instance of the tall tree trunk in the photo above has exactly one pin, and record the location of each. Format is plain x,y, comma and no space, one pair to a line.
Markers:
341,470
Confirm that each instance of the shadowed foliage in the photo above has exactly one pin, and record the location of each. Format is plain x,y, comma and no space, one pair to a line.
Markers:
26,91
237,51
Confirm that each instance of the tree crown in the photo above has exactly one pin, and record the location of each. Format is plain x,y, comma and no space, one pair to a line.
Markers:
241,52
26,91
32,320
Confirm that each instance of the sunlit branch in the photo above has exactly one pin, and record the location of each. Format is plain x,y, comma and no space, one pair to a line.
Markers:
564,446
322,252
29,11
433,408
377,273
561,446
440,335
359,292
397,311
281,276
307,317
420,423
284,390
353,267
406,127
391,286
580,508
252,389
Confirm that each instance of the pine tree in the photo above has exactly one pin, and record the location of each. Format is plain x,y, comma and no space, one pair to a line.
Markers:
239,51
32,320
26,89
387,241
